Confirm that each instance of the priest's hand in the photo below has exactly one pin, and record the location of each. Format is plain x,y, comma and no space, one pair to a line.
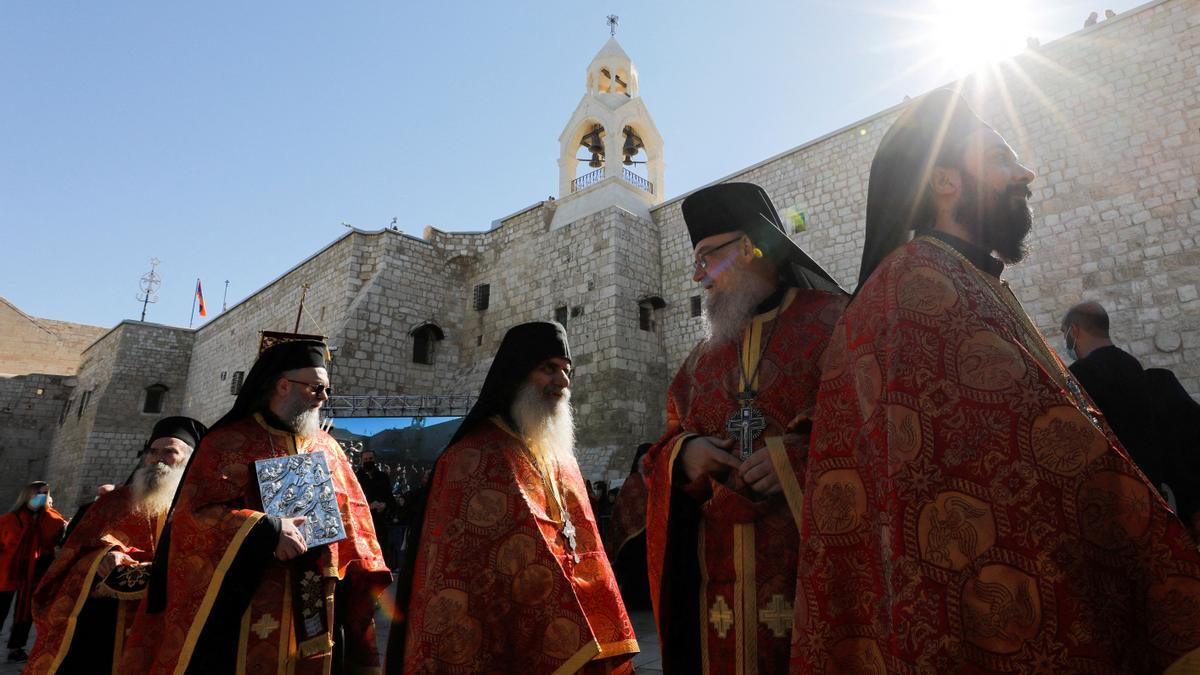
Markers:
706,455
758,471
291,540
110,562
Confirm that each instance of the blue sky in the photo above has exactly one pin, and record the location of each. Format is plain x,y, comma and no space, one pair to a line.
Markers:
231,140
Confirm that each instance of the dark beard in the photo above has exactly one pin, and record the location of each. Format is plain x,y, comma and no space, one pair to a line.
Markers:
1001,223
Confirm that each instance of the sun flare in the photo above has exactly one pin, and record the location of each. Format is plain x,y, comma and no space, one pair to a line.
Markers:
968,34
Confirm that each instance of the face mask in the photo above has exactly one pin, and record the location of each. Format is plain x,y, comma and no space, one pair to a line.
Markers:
1070,340
368,466
37,501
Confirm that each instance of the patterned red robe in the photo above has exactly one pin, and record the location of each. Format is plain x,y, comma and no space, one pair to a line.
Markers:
82,620
495,588
214,517
967,509
723,563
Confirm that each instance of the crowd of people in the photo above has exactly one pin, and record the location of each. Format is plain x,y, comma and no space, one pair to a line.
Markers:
902,479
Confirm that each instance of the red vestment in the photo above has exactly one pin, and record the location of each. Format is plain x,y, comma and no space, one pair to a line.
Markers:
722,562
495,588
215,516
966,508
27,541
76,612
628,515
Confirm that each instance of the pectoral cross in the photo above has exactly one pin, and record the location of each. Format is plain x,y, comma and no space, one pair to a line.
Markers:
745,424
568,532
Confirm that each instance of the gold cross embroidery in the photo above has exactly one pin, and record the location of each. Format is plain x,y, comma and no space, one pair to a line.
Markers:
265,625
721,617
778,616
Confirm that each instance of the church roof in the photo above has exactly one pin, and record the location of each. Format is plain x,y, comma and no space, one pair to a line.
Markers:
612,51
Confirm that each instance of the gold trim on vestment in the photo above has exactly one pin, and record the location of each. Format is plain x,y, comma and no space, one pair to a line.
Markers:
244,639
118,638
286,639
787,477
73,617
745,596
704,662
676,448
752,340
1188,664
579,659
210,595
611,649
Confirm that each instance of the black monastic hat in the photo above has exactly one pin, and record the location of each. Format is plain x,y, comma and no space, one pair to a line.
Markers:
524,346
185,429
929,133
729,207
274,360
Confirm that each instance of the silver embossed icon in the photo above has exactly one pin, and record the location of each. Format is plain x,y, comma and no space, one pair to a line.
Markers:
300,485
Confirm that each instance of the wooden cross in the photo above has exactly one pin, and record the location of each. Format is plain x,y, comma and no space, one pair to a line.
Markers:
778,616
721,617
745,424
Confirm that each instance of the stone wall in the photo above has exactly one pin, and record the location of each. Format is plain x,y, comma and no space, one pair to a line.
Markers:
229,343
598,268
105,426
1108,118
32,345
30,407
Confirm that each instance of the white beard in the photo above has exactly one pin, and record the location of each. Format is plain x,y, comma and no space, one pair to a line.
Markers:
728,311
154,487
548,427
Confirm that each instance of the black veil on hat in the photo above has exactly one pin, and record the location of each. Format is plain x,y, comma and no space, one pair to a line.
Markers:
729,207
524,346
273,361
928,133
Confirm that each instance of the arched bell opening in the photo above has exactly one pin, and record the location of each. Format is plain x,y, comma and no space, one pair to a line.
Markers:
589,156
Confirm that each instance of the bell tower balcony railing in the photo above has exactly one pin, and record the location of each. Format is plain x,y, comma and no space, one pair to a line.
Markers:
593,177
589,178
637,180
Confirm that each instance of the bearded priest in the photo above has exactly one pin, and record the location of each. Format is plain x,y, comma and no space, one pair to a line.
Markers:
724,480
87,599
235,589
510,572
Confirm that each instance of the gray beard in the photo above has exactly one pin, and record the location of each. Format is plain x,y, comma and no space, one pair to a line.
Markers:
154,487
548,427
302,420
727,312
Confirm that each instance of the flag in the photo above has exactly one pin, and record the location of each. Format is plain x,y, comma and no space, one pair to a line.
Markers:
200,298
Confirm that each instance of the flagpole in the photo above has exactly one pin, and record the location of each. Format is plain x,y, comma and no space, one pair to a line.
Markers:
193,317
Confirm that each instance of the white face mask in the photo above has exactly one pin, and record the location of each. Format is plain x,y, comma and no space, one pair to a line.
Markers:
1070,340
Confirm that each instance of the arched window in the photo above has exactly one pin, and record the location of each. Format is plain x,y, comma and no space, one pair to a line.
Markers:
156,396
425,338
646,308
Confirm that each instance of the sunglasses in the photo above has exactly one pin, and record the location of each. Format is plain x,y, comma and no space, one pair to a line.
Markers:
314,388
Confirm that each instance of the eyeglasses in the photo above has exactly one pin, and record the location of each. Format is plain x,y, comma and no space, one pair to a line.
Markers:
701,262
314,388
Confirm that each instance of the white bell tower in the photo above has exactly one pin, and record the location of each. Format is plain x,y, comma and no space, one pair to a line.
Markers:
610,151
